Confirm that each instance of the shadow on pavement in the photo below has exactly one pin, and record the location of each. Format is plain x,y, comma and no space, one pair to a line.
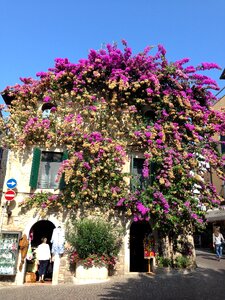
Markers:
206,282
202,284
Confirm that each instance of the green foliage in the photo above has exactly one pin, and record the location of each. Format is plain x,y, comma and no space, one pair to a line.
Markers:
94,238
182,262
164,261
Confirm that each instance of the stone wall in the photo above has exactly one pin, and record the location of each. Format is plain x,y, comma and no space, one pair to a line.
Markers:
13,218
66,273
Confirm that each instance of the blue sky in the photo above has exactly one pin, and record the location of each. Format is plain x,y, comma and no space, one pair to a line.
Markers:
34,33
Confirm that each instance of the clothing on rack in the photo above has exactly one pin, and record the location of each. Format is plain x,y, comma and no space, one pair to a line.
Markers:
58,240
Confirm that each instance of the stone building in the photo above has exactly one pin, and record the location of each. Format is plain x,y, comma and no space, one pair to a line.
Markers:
216,217
16,220
219,214
36,170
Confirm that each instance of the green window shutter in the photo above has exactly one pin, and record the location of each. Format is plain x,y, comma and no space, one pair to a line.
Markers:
62,183
35,168
132,187
153,173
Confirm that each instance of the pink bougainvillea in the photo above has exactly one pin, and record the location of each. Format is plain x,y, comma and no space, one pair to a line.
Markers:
113,104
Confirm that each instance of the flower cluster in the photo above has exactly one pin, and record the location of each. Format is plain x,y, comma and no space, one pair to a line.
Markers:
113,104
94,173
43,200
93,260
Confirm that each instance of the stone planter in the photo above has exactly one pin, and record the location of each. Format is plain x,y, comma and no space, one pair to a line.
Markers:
92,274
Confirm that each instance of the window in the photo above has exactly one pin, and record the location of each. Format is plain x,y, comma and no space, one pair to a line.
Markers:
45,168
222,139
149,115
1,154
46,110
138,180
48,170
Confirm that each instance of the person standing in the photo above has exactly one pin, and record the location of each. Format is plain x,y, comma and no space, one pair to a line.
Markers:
43,256
218,239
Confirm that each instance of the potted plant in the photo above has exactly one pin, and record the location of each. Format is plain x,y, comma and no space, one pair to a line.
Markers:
95,246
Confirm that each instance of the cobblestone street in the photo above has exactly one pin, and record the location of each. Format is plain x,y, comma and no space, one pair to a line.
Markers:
205,283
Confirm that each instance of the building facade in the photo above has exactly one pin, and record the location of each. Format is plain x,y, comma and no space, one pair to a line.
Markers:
217,216
34,172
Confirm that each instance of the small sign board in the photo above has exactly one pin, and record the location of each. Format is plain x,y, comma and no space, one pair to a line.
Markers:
10,195
11,183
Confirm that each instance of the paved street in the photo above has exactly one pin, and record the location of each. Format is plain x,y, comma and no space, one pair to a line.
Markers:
207,282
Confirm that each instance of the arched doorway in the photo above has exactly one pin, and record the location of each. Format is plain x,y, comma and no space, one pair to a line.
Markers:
40,229
138,231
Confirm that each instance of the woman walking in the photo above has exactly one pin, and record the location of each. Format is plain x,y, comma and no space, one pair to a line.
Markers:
218,239
43,256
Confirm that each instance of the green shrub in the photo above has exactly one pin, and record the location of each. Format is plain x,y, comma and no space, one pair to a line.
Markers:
164,261
182,262
94,241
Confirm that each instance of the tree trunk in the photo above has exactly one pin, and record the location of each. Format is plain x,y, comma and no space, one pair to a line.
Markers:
167,247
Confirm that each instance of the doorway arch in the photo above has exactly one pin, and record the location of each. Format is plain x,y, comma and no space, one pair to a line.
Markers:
138,231
40,229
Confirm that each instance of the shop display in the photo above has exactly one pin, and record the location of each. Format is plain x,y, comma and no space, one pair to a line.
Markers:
9,252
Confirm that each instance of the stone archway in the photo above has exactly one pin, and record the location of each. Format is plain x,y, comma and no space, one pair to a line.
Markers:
40,229
55,222
138,231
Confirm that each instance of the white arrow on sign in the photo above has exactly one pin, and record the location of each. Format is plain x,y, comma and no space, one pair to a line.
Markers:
11,183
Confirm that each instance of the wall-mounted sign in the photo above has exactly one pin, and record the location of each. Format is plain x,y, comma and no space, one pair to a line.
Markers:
11,183
10,195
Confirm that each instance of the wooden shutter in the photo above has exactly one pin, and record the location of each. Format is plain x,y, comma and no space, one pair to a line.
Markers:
62,183
35,168
153,173
222,139
132,171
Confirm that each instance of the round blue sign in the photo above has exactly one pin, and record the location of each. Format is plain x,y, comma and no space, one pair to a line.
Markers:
11,183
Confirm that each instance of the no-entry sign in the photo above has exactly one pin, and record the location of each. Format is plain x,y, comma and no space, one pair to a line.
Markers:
10,195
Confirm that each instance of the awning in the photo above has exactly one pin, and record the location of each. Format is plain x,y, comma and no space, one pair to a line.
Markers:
215,215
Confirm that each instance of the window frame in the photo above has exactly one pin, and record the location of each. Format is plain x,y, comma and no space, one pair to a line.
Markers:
48,170
36,161
145,182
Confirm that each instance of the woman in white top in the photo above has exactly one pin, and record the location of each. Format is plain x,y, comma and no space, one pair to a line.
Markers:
218,239
43,256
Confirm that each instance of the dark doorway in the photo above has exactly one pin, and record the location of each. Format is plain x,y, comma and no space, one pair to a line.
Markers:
138,231
39,230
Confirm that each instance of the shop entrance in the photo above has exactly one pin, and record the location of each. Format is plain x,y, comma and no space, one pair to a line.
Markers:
138,231
40,229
